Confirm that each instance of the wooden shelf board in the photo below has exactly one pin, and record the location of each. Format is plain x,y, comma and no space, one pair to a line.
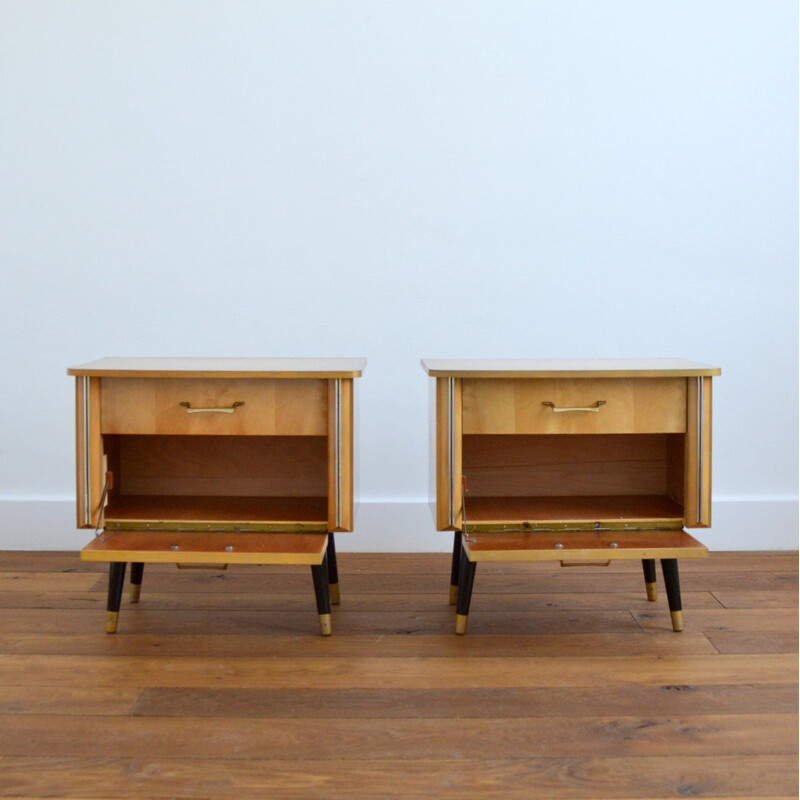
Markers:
582,546
209,509
207,548
590,509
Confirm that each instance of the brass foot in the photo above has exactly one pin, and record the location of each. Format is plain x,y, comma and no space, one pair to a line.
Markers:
325,627
453,594
677,620
652,591
111,621
461,624
333,590
136,590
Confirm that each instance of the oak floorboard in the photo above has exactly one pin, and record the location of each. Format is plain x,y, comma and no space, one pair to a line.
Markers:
79,700
400,673
547,701
54,582
579,778
257,622
635,642
382,740
769,620
351,602
554,580
754,641
785,598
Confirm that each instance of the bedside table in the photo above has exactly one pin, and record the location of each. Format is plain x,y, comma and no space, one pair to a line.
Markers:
209,462
579,462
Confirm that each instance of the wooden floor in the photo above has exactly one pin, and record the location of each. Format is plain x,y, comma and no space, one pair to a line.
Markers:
569,683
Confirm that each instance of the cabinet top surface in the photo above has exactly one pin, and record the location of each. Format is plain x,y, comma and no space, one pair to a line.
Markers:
221,368
565,368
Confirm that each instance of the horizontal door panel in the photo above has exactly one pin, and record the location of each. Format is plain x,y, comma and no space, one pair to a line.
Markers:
581,547
148,547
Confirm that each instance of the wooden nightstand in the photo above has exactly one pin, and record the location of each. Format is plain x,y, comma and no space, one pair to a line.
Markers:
579,462
209,462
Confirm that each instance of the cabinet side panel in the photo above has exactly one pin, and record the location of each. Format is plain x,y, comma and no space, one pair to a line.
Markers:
697,478
88,450
448,454
432,449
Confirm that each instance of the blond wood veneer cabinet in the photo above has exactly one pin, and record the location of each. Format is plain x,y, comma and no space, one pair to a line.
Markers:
210,462
579,462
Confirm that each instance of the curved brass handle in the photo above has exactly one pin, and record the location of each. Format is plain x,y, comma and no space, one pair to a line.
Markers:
595,407
229,410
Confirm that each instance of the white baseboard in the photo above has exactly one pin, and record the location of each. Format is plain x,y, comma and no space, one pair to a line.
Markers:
407,527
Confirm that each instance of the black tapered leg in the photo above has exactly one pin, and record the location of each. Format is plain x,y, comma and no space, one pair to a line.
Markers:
454,567
333,571
116,579
137,571
320,576
466,578
669,566
649,567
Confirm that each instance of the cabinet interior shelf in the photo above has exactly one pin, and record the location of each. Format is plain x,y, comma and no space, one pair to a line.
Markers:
308,513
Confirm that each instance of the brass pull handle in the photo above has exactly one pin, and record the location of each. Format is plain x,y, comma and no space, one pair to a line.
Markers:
585,563
228,410
595,407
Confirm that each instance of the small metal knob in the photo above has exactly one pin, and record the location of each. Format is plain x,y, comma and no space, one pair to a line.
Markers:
613,544
228,548
558,546
174,547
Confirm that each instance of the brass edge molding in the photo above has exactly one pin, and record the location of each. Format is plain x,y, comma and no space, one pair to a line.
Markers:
699,514
337,434
87,442
648,525
451,446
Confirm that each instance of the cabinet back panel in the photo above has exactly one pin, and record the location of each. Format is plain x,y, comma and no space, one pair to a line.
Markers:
266,466
566,465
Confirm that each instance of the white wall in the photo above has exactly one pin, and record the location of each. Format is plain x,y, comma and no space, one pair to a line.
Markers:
396,180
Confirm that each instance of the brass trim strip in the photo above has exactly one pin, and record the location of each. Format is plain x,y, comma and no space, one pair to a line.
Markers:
87,442
664,524
337,433
699,450
451,448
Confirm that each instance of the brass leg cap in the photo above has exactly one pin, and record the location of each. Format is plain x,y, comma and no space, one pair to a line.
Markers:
677,620
453,594
325,627
136,590
333,589
652,591
461,624
111,621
